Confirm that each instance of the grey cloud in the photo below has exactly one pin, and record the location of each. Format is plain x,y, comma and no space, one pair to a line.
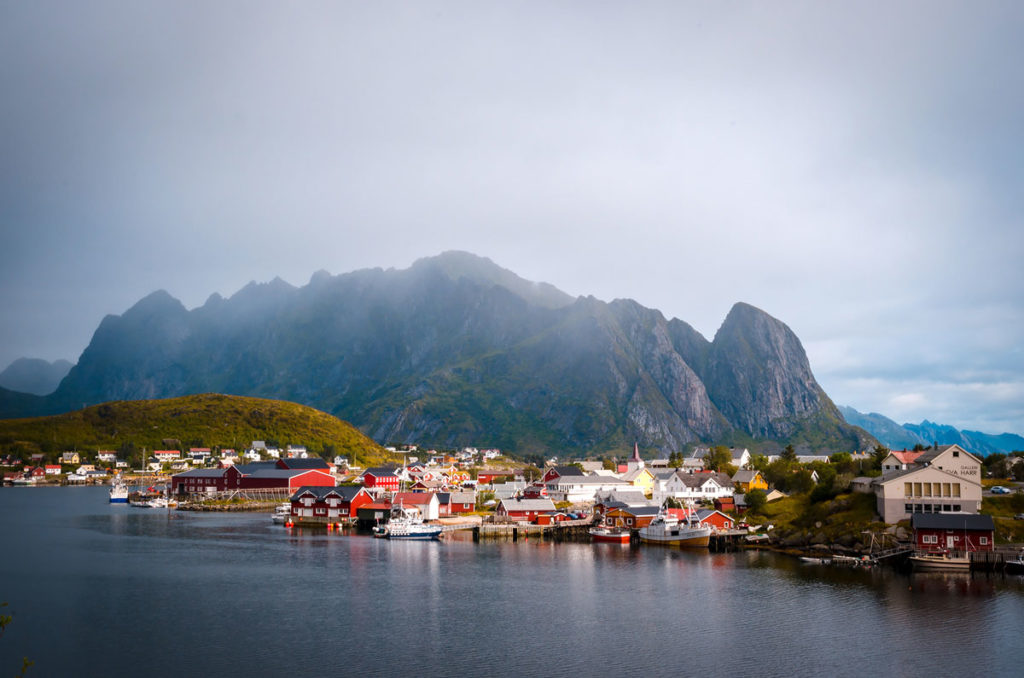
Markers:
851,169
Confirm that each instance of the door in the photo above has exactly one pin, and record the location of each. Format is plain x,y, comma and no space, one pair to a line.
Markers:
950,542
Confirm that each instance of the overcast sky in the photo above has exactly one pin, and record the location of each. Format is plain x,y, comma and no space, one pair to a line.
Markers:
854,169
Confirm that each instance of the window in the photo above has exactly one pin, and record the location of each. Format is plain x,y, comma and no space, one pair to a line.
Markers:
983,541
917,489
927,490
908,490
945,489
956,489
956,453
908,508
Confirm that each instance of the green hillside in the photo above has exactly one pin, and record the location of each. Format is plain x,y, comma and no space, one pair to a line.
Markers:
208,420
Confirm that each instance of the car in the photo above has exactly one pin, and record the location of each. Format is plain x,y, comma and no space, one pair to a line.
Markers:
1019,516
999,489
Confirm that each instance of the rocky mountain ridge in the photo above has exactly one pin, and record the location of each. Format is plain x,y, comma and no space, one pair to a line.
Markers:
906,436
458,351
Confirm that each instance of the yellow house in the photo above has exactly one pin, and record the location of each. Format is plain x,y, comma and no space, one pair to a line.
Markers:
746,481
640,478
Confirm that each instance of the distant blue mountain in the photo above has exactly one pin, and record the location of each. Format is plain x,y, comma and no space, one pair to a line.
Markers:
35,376
898,437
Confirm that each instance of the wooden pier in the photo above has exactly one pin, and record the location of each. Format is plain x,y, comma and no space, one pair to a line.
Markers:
569,530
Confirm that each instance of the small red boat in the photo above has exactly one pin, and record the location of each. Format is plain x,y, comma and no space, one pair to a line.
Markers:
609,535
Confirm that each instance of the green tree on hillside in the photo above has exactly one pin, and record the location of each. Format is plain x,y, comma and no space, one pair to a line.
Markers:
718,458
756,499
879,454
788,454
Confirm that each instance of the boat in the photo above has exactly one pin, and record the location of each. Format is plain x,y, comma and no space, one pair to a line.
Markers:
609,535
118,493
667,530
1015,566
814,560
406,523
282,512
940,561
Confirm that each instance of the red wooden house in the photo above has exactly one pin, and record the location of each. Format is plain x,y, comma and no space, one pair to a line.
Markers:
630,516
258,475
463,502
329,504
556,472
715,519
380,477
523,509
937,532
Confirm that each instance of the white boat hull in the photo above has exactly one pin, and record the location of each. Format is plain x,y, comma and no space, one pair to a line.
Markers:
929,563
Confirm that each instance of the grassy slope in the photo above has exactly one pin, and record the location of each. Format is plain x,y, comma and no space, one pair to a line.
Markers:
207,420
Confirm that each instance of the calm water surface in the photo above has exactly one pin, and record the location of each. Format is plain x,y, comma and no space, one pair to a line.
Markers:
101,590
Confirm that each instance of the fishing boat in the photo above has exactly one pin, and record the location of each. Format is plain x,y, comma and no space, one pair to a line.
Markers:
1016,566
609,535
668,530
282,512
118,493
406,523
940,561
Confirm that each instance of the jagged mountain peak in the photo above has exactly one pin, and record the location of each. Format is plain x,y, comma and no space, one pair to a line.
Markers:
456,264
156,302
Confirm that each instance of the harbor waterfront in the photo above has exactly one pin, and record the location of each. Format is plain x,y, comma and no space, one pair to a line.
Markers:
96,588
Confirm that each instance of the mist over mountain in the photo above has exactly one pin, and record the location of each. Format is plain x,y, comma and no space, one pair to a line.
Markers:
457,351
899,437
35,376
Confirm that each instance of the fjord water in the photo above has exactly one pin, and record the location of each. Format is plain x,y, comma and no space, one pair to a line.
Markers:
102,590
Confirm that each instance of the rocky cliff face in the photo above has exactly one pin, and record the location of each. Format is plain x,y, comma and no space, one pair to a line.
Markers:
457,351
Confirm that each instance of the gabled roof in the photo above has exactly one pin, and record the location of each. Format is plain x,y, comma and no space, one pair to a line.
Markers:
319,493
635,473
414,498
917,468
639,511
542,504
249,469
283,472
567,470
745,476
463,497
951,521
308,463
930,455
379,471
705,513
698,479
906,456
202,473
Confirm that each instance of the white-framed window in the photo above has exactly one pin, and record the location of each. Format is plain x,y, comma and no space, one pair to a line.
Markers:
983,541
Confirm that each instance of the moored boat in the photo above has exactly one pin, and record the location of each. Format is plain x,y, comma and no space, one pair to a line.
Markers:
940,562
609,535
1015,566
406,523
668,530
118,493
282,512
